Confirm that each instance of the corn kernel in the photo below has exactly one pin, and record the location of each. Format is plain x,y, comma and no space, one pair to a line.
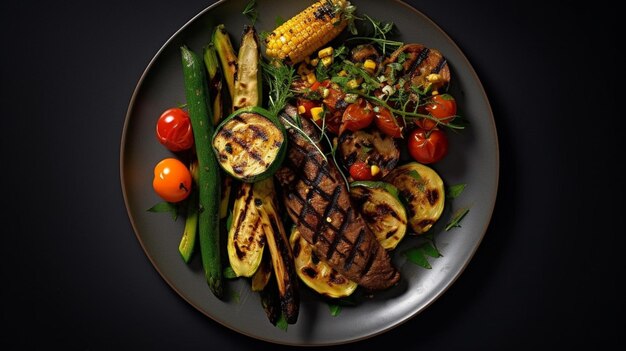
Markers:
433,77
325,92
303,70
314,62
375,170
317,113
342,73
369,65
354,83
311,78
325,52
301,109
327,61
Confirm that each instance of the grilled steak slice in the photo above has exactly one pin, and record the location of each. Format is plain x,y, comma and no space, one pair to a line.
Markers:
318,202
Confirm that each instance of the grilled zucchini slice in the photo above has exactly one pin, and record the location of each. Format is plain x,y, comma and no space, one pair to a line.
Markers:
317,274
423,189
246,238
250,144
382,210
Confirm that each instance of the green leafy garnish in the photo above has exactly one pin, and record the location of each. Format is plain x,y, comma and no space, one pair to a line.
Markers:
279,77
456,219
335,309
229,273
165,206
281,323
251,11
279,21
455,190
418,255
420,181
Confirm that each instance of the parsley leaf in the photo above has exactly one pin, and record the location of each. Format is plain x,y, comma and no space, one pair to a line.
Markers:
454,191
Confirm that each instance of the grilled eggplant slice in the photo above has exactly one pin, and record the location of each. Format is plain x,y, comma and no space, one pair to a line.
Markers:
281,254
369,146
246,239
380,206
317,274
422,67
250,144
423,189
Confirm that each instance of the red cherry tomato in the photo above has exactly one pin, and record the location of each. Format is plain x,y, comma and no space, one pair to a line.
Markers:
172,180
387,123
427,146
174,131
442,107
361,171
357,116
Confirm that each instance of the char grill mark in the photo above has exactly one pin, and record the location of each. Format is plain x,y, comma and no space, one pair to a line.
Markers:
419,59
318,202
322,227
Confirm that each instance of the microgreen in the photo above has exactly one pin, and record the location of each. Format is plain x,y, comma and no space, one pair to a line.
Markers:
165,206
456,219
251,11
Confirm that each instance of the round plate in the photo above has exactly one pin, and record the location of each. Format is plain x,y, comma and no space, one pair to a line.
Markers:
472,159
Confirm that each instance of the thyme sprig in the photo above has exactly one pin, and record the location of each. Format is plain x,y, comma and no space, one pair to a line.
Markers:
409,114
279,78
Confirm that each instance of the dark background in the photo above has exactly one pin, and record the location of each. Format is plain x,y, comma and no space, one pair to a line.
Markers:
549,272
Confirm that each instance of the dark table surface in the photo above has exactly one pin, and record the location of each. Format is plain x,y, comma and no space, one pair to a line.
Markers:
548,273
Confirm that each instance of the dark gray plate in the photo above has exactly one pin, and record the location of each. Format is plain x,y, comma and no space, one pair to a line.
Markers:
472,159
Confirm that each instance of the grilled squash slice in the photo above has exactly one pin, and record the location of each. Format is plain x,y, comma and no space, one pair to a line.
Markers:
250,144
317,274
246,238
423,189
382,210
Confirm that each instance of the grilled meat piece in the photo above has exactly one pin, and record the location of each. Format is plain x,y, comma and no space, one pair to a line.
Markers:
318,202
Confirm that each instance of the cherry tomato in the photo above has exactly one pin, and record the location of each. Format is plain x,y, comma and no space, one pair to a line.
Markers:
174,131
361,171
387,123
357,116
427,146
172,180
441,107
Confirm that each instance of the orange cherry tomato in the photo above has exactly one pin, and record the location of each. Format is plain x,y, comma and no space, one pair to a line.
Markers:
387,123
172,180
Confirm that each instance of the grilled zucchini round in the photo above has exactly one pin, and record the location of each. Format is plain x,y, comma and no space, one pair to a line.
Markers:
317,274
423,190
382,210
250,144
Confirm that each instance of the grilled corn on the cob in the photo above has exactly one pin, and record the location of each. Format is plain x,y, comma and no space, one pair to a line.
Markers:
307,31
